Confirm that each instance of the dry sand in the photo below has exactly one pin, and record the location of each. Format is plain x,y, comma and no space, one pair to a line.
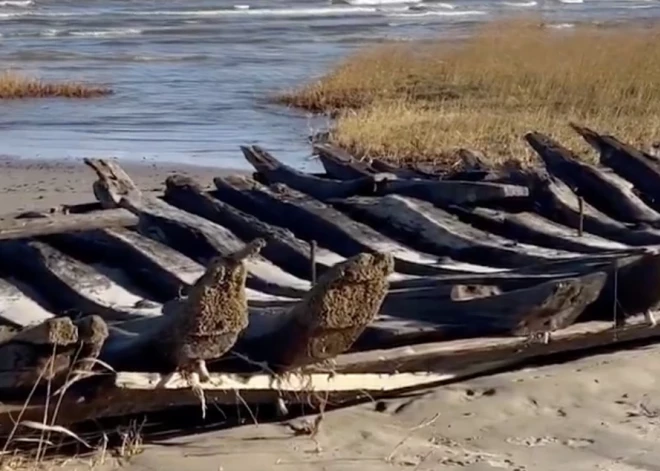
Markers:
597,413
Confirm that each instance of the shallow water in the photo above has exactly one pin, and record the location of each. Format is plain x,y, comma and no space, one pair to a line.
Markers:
192,77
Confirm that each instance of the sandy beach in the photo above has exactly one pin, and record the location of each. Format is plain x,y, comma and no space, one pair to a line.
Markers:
596,413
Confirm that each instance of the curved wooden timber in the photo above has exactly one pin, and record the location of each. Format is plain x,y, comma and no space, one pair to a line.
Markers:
311,219
273,171
193,235
19,307
340,164
431,229
531,228
635,166
554,200
606,193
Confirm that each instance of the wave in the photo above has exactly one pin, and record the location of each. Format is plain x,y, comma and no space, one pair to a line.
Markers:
108,33
376,2
571,1
16,3
243,11
520,4
421,14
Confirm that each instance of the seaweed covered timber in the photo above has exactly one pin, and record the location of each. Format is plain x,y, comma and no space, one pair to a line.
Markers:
367,280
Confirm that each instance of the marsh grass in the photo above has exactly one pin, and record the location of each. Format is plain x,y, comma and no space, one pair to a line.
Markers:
15,86
422,100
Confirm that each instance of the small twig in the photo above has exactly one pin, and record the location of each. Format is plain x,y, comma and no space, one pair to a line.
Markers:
422,425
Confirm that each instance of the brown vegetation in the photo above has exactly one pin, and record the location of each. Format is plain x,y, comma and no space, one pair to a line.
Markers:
421,100
14,86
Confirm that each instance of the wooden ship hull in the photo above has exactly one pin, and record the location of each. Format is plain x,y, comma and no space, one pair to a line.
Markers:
368,280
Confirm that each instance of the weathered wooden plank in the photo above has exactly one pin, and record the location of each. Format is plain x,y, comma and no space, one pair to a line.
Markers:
400,172
534,229
69,285
310,219
432,229
18,306
193,235
283,249
542,308
554,200
31,227
633,165
340,164
271,170
602,191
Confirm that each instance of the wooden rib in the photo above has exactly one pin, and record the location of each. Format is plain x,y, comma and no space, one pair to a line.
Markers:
31,227
541,308
273,171
533,229
606,193
400,172
434,230
18,306
193,235
310,219
69,285
633,165
554,200
340,164
283,248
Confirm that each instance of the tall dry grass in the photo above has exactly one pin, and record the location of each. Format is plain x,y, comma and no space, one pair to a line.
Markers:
15,86
421,100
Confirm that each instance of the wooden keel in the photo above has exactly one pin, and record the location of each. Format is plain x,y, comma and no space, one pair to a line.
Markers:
633,165
606,193
193,235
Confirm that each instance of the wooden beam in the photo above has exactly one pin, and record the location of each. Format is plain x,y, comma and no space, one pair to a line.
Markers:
39,226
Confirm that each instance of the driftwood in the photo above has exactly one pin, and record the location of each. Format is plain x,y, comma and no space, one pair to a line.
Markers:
69,285
433,230
606,193
555,200
541,308
340,164
193,235
271,170
283,248
17,308
310,219
531,228
638,168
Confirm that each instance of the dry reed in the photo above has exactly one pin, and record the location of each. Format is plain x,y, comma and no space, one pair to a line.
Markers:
16,86
422,100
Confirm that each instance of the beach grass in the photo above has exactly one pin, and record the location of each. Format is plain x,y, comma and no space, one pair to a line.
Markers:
16,86
420,101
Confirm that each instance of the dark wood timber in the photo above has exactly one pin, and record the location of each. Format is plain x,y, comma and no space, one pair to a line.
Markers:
431,229
608,194
638,168
193,235
25,228
340,164
271,170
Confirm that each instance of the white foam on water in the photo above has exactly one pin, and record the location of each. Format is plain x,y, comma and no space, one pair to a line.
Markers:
437,13
571,1
108,33
290,12
16,3
15,14
377,2
560,26
520,4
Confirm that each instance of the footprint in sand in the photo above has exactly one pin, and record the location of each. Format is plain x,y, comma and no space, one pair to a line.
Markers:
547,440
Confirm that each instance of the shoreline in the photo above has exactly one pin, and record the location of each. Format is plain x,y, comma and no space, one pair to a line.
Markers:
30,184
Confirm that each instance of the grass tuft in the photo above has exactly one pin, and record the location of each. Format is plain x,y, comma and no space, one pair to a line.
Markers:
420,101
17,86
